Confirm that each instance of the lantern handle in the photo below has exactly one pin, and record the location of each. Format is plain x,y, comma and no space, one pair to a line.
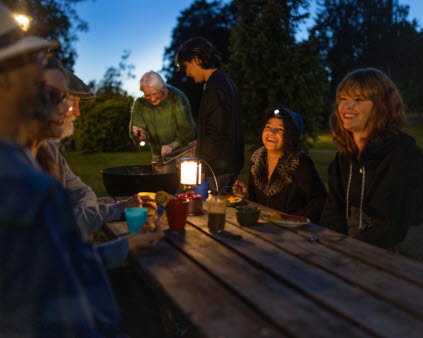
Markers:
214,176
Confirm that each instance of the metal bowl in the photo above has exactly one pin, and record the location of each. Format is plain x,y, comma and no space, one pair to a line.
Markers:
195,204
129,180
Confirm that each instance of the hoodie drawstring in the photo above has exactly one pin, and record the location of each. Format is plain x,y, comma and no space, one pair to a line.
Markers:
348,193
363,183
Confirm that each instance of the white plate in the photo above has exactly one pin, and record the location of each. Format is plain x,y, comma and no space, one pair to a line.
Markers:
229,204
286,224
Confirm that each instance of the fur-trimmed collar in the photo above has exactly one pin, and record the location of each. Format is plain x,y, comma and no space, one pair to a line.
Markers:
281,176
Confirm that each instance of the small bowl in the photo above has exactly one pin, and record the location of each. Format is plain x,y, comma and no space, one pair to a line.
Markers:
247,216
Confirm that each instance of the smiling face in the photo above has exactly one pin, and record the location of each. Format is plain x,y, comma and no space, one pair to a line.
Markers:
272,135
354,109
71,115
153,95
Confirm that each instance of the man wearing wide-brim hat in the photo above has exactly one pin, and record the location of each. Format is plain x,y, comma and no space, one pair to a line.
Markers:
51,284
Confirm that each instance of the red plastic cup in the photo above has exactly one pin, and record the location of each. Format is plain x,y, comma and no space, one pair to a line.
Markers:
176,212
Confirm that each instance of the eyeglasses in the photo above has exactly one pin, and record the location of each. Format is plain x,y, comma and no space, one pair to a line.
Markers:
72,101
156,94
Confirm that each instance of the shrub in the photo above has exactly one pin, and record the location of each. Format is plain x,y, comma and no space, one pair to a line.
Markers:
103,125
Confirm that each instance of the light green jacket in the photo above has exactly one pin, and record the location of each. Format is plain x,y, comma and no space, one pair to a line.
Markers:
169,121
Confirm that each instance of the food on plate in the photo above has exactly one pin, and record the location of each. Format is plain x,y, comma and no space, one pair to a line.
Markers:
232,199
280,216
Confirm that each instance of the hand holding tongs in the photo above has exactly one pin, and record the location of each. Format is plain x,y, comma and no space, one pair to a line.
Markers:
176,154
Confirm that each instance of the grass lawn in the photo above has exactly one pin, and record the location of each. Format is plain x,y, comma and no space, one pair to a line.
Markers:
88,166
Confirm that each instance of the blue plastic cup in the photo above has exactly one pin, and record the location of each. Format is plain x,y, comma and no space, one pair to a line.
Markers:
135,218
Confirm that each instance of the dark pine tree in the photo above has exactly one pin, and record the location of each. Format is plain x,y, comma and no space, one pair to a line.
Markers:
53,19
372,33
270,66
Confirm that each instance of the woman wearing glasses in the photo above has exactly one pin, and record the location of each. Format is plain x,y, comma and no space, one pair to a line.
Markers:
282,176
162,115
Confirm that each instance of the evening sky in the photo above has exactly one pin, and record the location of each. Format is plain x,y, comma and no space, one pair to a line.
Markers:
143,27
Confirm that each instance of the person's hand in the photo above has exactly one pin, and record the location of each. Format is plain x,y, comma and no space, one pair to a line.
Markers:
166,149
144,239
135,130
240,189
152,227
141,202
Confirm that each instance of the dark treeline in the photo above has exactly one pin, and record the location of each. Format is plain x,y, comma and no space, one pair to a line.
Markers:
257,39
53,19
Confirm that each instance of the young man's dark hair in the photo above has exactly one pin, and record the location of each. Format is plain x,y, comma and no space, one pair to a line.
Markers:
202,49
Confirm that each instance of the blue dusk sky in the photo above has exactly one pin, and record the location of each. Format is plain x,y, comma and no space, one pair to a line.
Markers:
143,27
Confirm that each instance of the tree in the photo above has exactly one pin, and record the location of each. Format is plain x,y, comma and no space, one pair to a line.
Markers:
103,127
111,84
53,19
270,67
363,33
210,20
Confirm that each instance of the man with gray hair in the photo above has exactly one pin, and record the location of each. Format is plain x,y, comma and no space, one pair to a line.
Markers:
162,115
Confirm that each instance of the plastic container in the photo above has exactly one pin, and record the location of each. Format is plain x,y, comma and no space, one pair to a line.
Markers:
176,213
135,218
247,216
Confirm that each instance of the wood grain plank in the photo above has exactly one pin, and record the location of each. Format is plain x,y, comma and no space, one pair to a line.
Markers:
377,282
210,307
286,307
380,284
340,296
392,263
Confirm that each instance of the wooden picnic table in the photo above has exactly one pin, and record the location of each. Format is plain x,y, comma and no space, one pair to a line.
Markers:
270,281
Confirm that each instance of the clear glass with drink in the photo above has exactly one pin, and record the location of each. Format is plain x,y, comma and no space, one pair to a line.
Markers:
217,212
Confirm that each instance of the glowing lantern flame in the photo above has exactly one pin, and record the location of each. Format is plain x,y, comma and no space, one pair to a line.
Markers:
24,21
190,172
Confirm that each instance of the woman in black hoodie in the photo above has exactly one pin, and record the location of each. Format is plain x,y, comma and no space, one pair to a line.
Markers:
375,180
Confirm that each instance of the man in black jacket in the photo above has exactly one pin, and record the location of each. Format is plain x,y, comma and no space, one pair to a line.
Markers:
220,138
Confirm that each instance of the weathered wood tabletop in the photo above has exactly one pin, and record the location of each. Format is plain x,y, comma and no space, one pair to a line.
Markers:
270,281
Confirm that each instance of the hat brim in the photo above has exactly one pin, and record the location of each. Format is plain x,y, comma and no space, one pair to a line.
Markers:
28,44
78,88
83,96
